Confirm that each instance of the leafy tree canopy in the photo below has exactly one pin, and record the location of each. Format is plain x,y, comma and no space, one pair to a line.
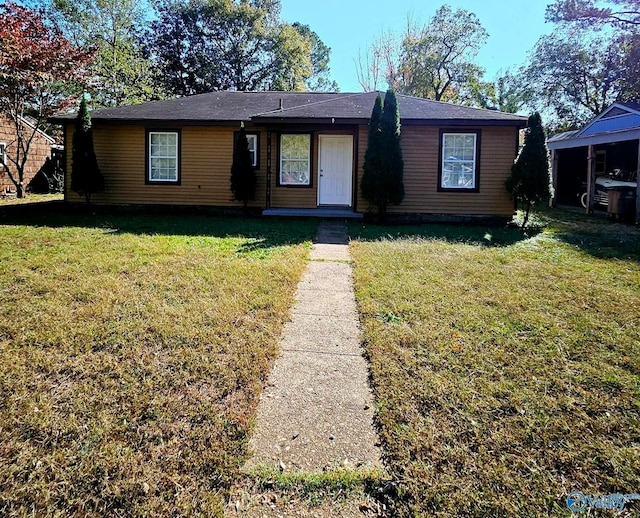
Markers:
208,45
435,61
39,68
590,61
575,77
623,14
320,55
121,73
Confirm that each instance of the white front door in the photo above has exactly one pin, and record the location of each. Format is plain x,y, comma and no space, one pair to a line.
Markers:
335,176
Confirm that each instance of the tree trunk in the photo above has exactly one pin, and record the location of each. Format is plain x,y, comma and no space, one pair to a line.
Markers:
382,212
19,190
526,215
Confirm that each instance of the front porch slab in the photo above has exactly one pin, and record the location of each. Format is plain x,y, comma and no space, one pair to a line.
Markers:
318,212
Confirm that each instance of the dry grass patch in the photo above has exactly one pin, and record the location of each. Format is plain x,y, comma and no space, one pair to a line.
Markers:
340,492
133,348
506,366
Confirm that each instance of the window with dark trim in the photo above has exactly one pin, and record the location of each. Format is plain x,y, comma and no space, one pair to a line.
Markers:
295,159
3,153
253,139
459,160
163,157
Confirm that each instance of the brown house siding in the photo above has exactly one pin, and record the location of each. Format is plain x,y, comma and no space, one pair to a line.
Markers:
420,149
40,149
206,155
362,205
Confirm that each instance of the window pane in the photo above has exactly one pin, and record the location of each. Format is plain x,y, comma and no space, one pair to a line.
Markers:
295,146
295,159
295,172
251,140
468,153
164,139
163,169
163,156
470,140
458,160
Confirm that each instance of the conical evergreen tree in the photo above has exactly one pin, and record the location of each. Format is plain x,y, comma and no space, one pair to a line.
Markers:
371,177
530,181
86,177
243,176
382,180
392,162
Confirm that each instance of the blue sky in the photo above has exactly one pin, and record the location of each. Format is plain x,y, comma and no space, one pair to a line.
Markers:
347,25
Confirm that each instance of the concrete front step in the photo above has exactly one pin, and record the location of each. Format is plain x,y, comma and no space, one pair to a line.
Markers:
318,212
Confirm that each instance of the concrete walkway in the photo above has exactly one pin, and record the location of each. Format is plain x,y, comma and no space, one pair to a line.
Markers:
316,412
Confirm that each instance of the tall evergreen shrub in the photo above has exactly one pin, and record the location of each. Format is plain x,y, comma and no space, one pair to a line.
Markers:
86,178
530,180
382,181
243,175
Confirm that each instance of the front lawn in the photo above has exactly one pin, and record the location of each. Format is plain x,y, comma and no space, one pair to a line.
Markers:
506,366
133,348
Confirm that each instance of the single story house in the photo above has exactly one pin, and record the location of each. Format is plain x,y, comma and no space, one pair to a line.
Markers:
608,146
308,151
40,149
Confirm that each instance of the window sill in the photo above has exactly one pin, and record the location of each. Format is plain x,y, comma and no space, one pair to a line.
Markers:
163,182
458,189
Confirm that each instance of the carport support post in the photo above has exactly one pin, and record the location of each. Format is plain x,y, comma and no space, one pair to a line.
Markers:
554,177
591,179
638,187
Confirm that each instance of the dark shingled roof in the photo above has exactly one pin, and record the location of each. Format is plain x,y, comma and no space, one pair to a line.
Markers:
265,107
359,106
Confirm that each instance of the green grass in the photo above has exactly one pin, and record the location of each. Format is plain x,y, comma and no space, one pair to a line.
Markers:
314,488
30,198
505,365
333,492
133,348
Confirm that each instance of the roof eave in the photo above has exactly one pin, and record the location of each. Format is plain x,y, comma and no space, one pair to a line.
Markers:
261,119
464,122
40,132
597,138
520,123
153,122
62,119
